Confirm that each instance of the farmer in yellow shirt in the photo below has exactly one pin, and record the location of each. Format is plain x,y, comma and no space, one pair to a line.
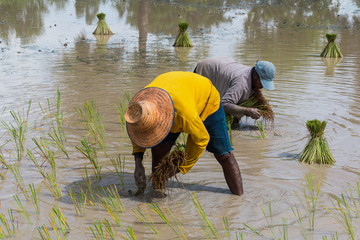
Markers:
178,102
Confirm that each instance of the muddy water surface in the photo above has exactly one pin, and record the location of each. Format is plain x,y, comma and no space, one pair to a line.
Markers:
47,46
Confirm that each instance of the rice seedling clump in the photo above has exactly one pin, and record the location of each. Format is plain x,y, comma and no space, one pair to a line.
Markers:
102,28
317,148
168,168
331,50
182,39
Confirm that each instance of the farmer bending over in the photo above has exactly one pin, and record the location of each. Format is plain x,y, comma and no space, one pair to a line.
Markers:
178,102
236,82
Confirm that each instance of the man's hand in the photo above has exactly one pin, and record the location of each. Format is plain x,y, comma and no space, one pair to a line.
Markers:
254,113
139,175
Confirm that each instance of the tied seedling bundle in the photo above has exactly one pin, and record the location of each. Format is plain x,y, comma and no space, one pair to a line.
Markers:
168,167
182,39
102,28
257,100
317,148
331,50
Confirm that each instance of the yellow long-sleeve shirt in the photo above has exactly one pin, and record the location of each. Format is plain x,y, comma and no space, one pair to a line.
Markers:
194,98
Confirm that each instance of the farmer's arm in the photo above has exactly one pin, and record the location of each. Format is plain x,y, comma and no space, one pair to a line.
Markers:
139,173
197,140
232,97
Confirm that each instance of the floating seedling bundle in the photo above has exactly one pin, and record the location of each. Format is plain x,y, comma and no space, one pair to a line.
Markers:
102,28
331,50
317,149
182,39
168,167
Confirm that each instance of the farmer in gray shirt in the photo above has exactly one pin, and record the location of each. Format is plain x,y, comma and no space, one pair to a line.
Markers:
236,82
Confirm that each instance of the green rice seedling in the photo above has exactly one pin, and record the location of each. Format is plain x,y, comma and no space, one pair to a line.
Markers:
229,119
316,149
61,222
182,39
102,28
226,227
113,204
121,110
91,154
44,232
92,122
110,230
7,228
270,224
45,152
31,156
14,169
344,217
87,182
79,202
261,128
52,185
310,200
239,236
18,131
98,233
299,218
145,218
168,217
355,199
57,130
333,237
130,233
257,232
209,229
331,49
20,208
119,168
35,197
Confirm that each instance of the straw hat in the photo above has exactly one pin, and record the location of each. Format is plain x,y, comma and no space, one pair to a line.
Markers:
149,117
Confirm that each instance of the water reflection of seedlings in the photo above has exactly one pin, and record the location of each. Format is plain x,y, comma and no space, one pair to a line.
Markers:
18,130
91,155
87,182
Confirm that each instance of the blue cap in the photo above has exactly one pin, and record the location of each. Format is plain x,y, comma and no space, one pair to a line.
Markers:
266,71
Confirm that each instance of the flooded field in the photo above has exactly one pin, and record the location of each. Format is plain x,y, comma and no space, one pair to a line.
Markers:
62,90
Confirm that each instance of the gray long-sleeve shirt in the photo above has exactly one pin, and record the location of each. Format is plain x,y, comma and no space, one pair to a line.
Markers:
230,78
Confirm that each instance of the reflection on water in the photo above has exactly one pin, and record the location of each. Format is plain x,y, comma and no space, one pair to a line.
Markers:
47,45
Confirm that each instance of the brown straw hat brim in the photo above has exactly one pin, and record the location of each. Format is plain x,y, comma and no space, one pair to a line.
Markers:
163,110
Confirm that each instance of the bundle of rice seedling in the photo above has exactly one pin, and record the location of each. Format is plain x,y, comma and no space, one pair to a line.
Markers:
168,167
182,39
257,100
317,149
102,28
331,49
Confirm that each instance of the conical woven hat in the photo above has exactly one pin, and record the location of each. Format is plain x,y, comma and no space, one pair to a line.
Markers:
149,117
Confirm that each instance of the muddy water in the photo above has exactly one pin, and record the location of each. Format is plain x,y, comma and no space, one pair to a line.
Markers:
48,45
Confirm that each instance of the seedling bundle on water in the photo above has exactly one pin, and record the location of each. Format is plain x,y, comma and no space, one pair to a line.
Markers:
317,149
182,39
331,50
102,28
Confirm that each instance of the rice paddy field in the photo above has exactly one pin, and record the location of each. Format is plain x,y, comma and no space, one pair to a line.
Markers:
66,169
